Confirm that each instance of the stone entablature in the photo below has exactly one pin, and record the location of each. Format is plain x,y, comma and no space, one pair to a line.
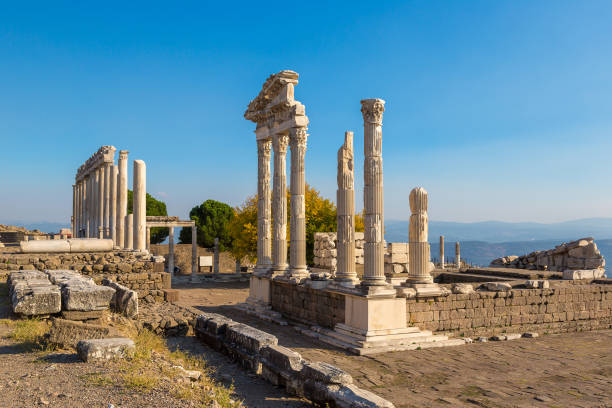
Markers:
575,255
105,154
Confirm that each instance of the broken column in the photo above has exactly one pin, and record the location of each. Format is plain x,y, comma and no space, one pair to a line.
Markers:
100,202
194,251
140,205
216,257
346,275
264,217
442,251
107,198
122,187
458,254
297,258
374,251
420,266
279,205
171,251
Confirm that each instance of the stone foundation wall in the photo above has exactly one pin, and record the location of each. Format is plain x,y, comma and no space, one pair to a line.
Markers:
561,309
135,270
307,305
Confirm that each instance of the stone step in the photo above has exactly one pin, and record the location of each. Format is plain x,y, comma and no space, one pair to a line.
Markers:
407,347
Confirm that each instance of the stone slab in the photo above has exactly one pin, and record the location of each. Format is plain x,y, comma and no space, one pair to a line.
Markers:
104,349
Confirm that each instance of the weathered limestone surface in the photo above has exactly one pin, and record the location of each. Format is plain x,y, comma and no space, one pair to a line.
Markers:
345,198
264,206
140,205
129,231
373,272
319,382
33,294
122,188
104,349
576,255
66,245
80,292
297,258
279,205
113,205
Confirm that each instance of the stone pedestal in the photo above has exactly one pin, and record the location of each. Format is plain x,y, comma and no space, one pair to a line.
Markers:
259,291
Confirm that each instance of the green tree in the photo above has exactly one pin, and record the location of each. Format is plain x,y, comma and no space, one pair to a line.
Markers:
212,221
154,207
320,217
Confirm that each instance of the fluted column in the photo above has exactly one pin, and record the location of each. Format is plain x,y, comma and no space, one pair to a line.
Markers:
194,252
79,208
113,205
417,238
148,242
74,211
442,251
140,204
458,254
122,188
97,203
297,256
279,204
107,197
345,220
101,193
129,231
86,220
374,251
264,216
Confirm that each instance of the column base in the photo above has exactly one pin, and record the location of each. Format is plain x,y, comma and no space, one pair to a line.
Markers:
297,275
421,290
262,270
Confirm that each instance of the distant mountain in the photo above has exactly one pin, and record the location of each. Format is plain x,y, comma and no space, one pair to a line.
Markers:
497,231
42,226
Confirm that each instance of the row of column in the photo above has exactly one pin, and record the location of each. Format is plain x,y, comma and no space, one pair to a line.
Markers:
100,204
272,208
457,254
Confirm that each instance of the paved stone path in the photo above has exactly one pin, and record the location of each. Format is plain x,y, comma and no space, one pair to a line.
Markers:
564,370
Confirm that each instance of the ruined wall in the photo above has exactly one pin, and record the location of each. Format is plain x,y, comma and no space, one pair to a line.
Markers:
137,271
573,307
307,305
579,254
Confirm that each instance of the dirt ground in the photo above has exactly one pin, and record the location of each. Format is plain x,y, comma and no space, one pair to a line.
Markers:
561,370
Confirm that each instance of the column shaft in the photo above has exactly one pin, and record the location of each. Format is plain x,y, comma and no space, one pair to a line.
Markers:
140,204
171,251
297,258
101,192
458,254
122,187
418,235
129,231
194,251
113,205
442,251
279,205
264,216
73,219
148,244
107,198
345,220
373,275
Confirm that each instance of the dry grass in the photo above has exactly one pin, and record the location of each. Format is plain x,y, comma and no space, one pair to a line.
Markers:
29,334
153,365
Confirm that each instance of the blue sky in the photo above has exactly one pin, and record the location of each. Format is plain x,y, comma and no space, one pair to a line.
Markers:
501,110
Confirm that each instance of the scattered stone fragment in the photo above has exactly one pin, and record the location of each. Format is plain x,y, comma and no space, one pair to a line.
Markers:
513,336
124,301
104,349
530,335
67,333
498,286
80,292
583,274
543,398
326,373
468,340
79,315
499,337
33,294
482,339
462,288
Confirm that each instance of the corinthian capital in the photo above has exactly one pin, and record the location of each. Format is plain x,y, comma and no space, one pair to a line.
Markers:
299,137
264,147
279,143
372,110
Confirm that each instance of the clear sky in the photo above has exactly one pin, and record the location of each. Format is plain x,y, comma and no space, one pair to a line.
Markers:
500,109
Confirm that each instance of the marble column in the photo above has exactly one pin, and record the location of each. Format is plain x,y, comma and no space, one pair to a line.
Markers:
79,208
171,251
129,231
113,205
74,211
458,254
374,248
96,203
442,251
86,219
107,197
417,238
101,193
346,273
297,248
122,188
148,234
140,204
194,252
279,205
264,216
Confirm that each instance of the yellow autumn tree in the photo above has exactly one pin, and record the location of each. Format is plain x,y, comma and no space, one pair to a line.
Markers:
320,217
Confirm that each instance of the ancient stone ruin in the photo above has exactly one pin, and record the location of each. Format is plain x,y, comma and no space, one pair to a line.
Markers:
578,255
